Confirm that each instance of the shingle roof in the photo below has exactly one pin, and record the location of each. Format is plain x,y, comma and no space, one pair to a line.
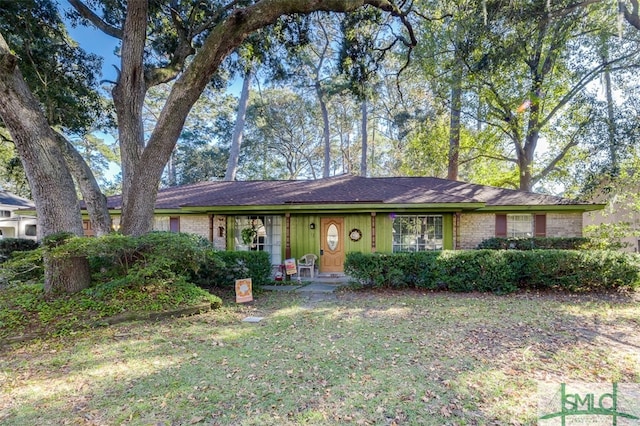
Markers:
345,189
10,199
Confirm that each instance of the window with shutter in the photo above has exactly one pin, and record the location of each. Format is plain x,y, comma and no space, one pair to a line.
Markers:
501,225
541,225
174,224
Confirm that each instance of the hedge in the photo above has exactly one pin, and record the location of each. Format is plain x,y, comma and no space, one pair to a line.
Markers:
222,268
499,271
10,245
156,256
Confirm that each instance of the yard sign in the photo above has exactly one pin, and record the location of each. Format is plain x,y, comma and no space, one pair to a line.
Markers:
290,266
243,291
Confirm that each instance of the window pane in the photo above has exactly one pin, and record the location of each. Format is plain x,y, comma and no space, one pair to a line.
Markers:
332,237
30,230
519,225
267,235
417,233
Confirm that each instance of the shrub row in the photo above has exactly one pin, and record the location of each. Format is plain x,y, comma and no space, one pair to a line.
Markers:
222,268
119,260
536,243
10,245
498,271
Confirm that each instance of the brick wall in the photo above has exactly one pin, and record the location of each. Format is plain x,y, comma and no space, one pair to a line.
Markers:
476,227
198,225
564,224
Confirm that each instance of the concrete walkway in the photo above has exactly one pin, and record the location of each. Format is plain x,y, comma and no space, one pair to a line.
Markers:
319,289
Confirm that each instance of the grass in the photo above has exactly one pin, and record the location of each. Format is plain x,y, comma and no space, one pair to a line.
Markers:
398,357
25,311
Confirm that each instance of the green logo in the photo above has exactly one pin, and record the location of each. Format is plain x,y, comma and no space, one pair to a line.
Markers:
581,403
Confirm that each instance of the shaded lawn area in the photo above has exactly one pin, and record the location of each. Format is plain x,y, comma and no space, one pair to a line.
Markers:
397,357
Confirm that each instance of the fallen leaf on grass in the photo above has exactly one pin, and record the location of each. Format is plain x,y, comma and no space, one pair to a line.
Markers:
445,412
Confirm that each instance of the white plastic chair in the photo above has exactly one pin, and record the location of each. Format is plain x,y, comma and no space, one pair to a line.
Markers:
308,261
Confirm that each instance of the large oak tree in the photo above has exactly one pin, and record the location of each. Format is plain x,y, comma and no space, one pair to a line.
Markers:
181,41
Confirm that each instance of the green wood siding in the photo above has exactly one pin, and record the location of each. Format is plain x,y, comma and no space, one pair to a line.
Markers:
384,233
303,239
231,232
447,231
363,223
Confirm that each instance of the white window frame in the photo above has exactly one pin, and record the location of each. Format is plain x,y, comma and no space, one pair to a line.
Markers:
413,233
520,225
268,236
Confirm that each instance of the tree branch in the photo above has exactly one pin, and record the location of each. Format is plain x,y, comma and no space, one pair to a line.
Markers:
632,16
586,79
542,174
90,16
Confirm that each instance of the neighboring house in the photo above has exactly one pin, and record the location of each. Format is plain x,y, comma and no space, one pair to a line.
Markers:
333,216
621,211
12,223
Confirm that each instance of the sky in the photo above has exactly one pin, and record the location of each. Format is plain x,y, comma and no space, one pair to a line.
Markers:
97,42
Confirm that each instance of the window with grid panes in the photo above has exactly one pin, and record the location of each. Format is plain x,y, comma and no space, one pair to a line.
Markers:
519,225
268,236
417,233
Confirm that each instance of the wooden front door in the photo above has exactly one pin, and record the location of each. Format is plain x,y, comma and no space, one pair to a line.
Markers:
332,244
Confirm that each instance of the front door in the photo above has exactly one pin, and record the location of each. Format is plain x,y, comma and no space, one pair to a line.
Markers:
332,244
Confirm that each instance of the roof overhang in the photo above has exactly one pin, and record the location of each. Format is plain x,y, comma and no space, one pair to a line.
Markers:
333,208
544,208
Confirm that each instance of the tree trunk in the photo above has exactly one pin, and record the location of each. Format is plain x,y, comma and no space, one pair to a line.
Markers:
363,158
59,280
236,140
326,170
128,99
51,183
526,155
95,201
454,124
611,118
632,16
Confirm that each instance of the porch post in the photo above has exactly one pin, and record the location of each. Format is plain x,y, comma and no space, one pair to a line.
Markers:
287,226
211,234
456,225
373,232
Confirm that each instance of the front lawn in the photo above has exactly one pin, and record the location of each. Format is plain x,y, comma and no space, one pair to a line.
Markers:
396,357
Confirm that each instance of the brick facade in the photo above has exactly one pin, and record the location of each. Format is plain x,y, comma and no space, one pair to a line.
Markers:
198,225
476,227
564,224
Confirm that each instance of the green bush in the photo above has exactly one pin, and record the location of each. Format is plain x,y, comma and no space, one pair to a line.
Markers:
392,270
149,273
126,260
536,243
10,245
474,270
23,266
577,271
222,268
25,309
498,271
